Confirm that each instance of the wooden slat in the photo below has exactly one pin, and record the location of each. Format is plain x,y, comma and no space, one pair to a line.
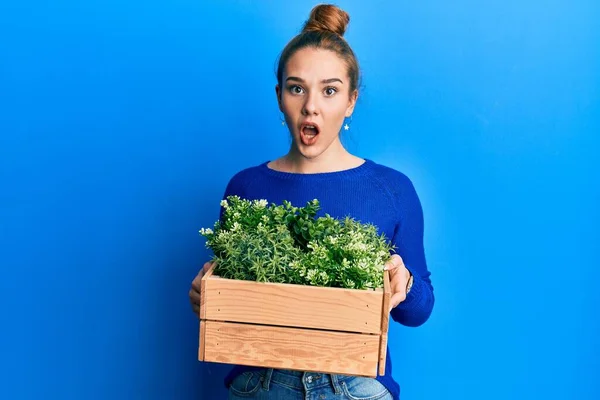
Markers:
382,353
293,305
202,341
211,269
205,277
292,348
385,318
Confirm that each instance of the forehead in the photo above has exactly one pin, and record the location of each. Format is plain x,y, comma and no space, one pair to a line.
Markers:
316,64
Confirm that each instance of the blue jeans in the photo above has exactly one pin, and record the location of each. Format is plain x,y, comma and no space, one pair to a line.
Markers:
294,385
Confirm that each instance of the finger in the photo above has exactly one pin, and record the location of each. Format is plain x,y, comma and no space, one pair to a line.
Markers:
198,279
396,299
398,277
395,275
398,261
390,265
196,284
394,262
194,296
196,310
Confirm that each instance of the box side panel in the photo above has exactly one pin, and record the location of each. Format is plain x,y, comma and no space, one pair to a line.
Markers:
202,341
382,353
385,318
293,305
207,274
202,312
292,348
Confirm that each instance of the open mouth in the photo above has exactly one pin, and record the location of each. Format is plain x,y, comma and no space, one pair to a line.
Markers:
309,133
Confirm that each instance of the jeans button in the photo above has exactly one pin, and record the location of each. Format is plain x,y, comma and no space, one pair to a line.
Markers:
309,379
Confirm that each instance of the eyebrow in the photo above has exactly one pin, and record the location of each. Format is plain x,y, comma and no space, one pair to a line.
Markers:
330,80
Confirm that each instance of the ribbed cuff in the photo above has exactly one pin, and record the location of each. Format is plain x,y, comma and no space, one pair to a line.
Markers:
413,298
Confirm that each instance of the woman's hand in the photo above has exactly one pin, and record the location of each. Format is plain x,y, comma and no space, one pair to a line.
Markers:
399,280
195,289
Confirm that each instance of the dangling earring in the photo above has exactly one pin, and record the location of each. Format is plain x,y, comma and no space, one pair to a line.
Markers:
282,120
346,126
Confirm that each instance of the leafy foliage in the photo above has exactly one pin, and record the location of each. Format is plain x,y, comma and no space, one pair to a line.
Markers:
288,244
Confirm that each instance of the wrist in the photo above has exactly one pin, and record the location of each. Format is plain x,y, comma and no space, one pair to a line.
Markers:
410,281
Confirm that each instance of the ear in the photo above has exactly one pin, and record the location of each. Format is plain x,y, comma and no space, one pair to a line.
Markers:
352,103
278,94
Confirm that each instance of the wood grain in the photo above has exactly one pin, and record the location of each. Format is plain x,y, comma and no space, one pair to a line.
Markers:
291,348
292,305
206,276
385,320
202,341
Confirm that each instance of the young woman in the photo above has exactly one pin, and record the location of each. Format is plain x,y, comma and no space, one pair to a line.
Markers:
317,88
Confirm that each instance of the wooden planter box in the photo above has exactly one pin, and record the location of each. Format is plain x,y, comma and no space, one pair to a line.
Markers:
297,327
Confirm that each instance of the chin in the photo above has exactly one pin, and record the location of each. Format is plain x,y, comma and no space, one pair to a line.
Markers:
309,152
311,155
313,151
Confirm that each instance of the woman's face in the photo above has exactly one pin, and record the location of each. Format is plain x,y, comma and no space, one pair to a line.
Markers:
315,98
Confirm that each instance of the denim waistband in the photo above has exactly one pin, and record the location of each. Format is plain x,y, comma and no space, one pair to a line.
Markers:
302,380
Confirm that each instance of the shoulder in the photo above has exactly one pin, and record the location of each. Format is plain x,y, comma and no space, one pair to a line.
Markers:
244,177
400,191
394,180
246,173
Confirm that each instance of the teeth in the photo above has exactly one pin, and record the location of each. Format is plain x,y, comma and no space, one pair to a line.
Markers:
309,131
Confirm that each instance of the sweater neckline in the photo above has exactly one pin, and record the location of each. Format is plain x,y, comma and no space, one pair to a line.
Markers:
350,172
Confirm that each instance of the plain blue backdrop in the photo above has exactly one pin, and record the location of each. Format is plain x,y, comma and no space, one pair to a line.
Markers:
122,121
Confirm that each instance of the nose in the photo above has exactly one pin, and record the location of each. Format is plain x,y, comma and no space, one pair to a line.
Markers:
310,104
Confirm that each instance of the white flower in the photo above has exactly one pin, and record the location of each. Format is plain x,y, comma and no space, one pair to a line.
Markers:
362,264
324,277
224,204
223,236
206,231
261,203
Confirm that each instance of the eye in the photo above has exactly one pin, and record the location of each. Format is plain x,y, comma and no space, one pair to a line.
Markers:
295,89
330,91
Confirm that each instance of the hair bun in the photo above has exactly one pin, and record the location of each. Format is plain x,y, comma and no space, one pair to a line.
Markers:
327,17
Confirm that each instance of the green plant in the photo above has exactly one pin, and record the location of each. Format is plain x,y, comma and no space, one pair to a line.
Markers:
286,244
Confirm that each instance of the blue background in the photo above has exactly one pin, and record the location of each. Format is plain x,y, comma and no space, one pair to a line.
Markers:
121,123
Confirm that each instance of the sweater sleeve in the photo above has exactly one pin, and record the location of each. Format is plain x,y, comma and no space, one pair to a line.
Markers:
408,239
235,187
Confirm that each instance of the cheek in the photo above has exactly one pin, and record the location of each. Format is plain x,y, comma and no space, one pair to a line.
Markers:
336,115
289,106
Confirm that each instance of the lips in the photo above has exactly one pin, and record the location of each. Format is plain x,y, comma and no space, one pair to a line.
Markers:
309,131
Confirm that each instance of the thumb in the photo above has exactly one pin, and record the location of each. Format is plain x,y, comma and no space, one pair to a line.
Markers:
390,265
396,299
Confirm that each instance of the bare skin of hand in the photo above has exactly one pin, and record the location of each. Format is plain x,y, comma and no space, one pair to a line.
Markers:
195,289
399,277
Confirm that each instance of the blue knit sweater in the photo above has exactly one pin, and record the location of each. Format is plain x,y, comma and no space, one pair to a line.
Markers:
370,193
